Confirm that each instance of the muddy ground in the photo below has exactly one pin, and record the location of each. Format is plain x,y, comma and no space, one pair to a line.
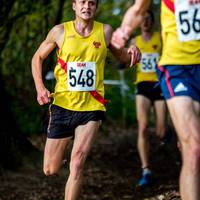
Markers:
111,173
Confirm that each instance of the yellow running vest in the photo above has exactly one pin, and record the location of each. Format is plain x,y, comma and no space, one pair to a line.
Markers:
182,49
146,69
83,70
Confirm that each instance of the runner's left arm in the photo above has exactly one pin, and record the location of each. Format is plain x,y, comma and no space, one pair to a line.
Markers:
129,55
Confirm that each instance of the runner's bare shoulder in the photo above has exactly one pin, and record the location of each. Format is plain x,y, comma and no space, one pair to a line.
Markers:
56,34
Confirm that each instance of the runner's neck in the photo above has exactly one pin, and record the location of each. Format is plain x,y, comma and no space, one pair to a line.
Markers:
146,36
82,27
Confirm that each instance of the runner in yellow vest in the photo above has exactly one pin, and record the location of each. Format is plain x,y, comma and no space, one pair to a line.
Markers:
78,105
148,92
179,76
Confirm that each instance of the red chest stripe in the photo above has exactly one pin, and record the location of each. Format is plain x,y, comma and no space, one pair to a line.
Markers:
62,64
169,5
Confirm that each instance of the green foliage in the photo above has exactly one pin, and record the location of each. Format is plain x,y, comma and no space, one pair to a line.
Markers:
111,11
26,35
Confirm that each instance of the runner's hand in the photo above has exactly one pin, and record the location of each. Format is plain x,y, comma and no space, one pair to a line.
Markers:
135,55
119,38
43,96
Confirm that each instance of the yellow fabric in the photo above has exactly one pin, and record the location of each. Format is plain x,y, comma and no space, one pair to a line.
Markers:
151,46
76,48
175,52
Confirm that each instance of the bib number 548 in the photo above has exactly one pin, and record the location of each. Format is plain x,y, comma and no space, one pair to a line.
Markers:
81,76
81,80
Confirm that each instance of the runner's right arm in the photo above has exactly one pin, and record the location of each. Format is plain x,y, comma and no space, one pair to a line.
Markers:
53,39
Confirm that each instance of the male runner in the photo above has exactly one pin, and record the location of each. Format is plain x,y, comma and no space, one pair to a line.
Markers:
179,77
148,92
78,105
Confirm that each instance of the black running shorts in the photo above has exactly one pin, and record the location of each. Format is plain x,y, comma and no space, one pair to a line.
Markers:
63,122
150,90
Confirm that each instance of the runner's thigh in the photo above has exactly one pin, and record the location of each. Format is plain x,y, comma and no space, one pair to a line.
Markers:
143,105
84,137
54,152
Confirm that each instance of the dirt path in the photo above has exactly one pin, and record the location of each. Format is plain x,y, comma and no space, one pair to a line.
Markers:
112,171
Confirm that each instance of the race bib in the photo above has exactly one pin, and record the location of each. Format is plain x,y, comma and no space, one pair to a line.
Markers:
81,76
187,20
149,62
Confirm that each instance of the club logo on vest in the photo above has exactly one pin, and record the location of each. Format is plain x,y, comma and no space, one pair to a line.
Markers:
97,44
155,46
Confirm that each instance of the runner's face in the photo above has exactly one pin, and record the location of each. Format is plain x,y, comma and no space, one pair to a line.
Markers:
85,9
147,23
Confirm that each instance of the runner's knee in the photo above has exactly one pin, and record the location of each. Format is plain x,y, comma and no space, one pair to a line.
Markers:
50,170
194,153
192,156
143,129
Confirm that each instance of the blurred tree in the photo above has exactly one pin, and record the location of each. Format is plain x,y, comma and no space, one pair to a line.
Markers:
11,142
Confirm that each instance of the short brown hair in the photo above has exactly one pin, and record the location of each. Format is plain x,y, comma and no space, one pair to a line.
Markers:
151,15
97,2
